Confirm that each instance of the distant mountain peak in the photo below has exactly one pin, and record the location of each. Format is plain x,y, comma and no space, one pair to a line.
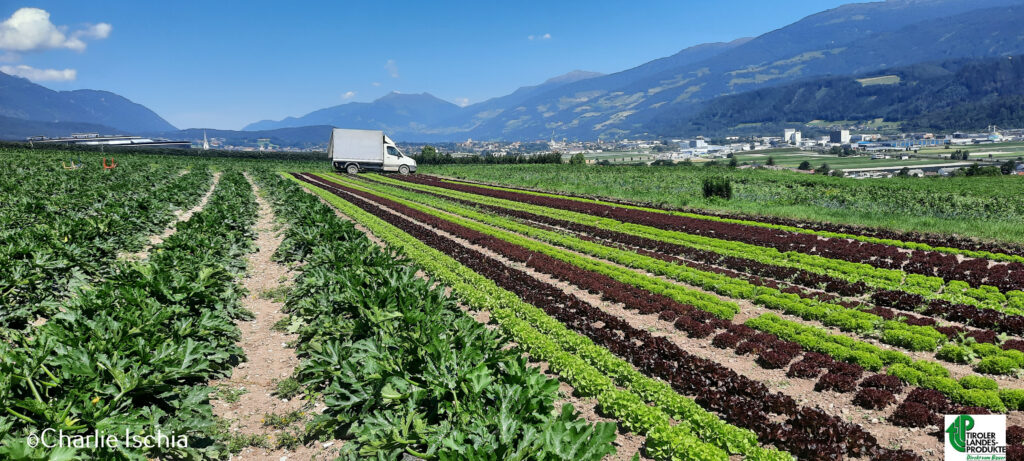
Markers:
399,96
573,76
393,112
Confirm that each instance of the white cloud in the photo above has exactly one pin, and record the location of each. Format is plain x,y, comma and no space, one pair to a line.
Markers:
375,83
96,31
462,102
30,29
40,75
539,37
392,68
348,95
545,36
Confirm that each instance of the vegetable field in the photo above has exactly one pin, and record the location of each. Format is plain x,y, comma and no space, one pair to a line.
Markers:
714,336
263,309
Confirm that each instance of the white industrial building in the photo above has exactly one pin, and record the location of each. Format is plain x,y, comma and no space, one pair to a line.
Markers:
840,137
791,136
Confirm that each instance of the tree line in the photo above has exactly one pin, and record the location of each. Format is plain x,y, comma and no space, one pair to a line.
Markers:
430,156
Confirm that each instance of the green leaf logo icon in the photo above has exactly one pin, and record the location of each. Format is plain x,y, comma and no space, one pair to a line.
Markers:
958,432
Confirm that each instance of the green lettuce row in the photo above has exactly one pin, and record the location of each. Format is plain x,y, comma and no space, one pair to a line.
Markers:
892,332
877,278
992,359
591,369
916,338
800,230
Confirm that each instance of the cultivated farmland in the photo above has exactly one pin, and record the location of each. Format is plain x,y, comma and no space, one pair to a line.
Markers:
269,308
818,343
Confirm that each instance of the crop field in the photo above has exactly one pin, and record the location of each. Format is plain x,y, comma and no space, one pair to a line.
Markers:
1003,150
264,309
616,156
793,160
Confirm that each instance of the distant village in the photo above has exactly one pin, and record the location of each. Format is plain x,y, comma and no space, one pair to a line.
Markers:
873,145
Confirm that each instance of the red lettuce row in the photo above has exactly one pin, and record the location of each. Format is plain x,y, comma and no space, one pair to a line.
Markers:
974,316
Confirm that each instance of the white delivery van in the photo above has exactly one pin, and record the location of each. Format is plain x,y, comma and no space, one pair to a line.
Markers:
353,151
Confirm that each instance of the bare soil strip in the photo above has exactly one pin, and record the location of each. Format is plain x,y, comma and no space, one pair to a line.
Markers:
627,443
269,359
802,390
180,216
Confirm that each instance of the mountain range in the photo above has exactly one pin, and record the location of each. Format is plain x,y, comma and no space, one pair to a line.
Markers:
24,100
849,40
960,94
694,89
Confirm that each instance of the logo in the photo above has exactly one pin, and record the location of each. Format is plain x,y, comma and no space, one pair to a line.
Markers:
958,432
975,437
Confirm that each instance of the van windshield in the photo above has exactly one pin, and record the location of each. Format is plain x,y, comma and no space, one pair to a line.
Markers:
392,150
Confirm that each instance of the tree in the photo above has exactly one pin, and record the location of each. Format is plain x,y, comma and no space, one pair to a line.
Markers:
733,163
1008,166
804,165
903,173
771,161
838,173
823,169
978,170
959,155
717,187
429,155
578,159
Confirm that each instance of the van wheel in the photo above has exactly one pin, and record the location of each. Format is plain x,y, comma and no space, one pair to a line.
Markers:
352,168
404,169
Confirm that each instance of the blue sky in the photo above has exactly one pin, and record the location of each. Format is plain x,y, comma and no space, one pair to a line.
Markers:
224,64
